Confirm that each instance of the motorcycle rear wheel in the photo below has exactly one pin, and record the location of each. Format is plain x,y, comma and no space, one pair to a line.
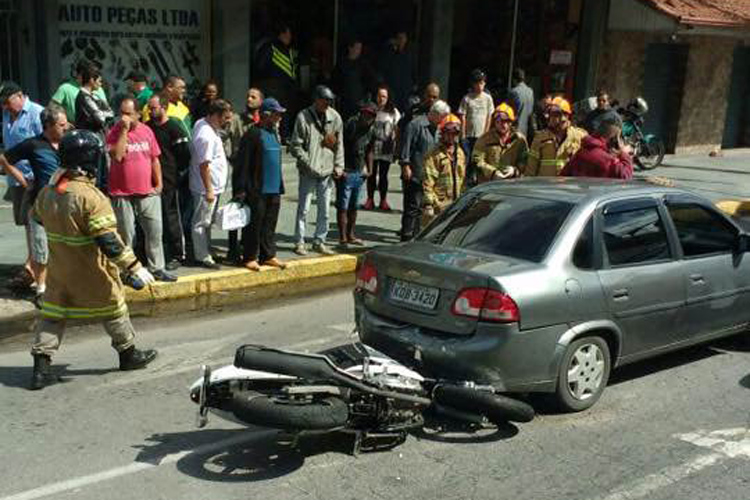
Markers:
655,156
316,414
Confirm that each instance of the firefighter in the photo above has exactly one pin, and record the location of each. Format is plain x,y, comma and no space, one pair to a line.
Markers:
86,259
555,145
444,171
501,152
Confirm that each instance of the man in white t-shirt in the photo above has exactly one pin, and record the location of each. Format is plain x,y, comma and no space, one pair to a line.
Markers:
208,176
475,111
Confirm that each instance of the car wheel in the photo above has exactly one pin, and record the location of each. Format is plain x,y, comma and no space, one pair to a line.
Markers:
583,374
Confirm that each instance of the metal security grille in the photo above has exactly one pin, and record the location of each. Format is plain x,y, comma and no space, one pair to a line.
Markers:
9,52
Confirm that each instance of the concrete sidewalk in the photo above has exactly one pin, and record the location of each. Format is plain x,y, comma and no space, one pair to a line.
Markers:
203,288
720,178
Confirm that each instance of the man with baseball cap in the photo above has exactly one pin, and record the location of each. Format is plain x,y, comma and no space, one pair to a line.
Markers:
260,184
21,121
554,146
317,144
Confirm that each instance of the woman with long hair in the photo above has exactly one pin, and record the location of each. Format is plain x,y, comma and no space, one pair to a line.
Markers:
385,132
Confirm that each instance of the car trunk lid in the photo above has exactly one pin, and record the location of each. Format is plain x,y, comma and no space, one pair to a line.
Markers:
420,281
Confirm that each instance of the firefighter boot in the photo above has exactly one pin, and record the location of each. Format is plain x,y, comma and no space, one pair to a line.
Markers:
135,359
42,376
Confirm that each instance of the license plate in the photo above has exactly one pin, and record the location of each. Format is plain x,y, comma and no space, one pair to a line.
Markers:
424,297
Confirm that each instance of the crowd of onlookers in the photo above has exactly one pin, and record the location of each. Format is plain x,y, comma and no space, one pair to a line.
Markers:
169,161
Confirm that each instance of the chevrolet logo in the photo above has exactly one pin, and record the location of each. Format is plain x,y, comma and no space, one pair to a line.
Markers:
413,274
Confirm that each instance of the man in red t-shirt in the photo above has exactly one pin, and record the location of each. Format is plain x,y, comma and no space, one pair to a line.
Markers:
135,184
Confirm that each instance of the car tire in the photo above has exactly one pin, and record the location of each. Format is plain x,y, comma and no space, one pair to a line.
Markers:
583,374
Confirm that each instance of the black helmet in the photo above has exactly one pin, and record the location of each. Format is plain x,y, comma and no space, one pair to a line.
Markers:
323,92
81,149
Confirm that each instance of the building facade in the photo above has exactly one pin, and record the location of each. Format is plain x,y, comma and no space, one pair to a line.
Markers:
689,58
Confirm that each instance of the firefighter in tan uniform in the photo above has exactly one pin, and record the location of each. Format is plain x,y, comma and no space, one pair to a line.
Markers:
555,145
86,259
502,152
444,171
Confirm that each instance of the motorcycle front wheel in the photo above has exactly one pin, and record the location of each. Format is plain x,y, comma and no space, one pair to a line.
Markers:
651,155
294,414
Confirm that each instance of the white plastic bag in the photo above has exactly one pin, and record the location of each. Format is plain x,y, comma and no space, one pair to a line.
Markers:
232,216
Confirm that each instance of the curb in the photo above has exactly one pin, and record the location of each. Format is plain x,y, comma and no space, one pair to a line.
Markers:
219,288
207,284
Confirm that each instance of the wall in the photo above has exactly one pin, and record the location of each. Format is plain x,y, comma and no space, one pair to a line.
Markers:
705,95
703,112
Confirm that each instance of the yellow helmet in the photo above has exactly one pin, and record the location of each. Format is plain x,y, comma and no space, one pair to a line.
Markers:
450,122
506,109
562,104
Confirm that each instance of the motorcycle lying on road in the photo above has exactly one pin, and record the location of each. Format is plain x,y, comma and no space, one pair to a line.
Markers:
350,388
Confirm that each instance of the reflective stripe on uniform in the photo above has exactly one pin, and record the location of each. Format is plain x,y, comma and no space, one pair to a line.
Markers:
285,63
55,311
73,241
554,162
97,223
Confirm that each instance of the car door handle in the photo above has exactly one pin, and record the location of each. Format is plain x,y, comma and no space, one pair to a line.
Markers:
621,294
697,279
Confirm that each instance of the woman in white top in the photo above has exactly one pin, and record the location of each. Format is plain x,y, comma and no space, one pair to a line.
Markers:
385,132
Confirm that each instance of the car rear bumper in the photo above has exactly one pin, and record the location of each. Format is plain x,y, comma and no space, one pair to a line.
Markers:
497,354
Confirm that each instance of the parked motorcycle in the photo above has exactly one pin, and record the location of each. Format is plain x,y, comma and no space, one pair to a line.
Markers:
350,388
648,150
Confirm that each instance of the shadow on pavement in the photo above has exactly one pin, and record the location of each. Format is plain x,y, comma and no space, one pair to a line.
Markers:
265,455
662,363
745,381
459,436
20,376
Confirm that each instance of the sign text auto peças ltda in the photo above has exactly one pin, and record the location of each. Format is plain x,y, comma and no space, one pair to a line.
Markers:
131,16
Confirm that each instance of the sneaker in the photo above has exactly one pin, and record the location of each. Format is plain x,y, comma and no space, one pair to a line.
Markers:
384,206
173,265
300,249
322,249
209,263
164,276
369,204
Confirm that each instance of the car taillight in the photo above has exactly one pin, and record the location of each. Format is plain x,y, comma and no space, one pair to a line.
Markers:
367,278
486,304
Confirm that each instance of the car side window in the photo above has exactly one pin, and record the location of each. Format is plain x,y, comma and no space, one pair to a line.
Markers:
700,231
635,236
583,253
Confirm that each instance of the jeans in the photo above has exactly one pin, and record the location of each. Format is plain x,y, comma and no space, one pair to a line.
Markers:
259,237
378,179
323,188
203,216
147,210
410,221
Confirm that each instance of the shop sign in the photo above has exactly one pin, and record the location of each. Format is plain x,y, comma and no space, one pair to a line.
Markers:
158,37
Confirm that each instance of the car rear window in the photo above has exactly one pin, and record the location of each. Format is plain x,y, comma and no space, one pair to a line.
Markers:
514,226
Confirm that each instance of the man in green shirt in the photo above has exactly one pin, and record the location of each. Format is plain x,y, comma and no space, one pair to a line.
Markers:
138,86
67,92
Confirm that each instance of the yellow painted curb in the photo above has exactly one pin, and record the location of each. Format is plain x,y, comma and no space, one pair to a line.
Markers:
206,284
735,208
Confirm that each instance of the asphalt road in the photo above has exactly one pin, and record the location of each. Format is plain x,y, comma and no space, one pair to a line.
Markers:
671,428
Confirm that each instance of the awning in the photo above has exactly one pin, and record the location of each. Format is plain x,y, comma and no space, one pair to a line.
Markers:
718,13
